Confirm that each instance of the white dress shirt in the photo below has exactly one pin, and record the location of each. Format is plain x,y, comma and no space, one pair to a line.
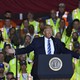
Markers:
51,43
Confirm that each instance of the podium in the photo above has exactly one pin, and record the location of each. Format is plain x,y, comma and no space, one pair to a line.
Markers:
53,67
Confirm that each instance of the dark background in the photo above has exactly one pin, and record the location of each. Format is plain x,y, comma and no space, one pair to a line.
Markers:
38,7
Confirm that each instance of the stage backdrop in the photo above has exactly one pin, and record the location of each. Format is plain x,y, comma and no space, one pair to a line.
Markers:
40,8
36,6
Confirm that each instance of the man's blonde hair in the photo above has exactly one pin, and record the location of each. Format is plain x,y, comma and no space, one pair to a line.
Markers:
48,26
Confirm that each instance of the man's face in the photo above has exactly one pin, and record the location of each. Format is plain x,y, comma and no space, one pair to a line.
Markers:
22,57
75,36
48,32
31,29
28,39
8,15
62,24
23,67
26,24
53,13
7,22
41,25
30,16
58,35
76,25
61,9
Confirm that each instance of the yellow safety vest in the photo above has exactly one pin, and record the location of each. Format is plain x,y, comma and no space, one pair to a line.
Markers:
55,26
34,23
5,35
65,15
76,14
76,75
12,65
1,45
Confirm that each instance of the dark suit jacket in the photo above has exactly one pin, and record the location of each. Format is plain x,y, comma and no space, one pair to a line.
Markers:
38,47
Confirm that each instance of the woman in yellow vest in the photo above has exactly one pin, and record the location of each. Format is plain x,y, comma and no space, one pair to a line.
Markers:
23,75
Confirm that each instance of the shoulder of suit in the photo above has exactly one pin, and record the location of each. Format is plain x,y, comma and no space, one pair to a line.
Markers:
56,40
38,38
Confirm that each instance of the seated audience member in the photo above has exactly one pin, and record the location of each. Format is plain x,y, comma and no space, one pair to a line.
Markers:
12,64
26,43
4,35
41,26
9,75
14,37
76,43
73,27
62,26
5,29
62,13
53,21
29,62
7,56
6,65
25,25
27,40
58,35
62,29
33,22
8,14
23,72
2,75
76,48
31,31
24,30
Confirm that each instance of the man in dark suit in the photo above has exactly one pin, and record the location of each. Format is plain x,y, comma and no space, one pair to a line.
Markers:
47,45
39,45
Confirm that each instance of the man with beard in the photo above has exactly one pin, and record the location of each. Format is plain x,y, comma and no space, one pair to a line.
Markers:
75,39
